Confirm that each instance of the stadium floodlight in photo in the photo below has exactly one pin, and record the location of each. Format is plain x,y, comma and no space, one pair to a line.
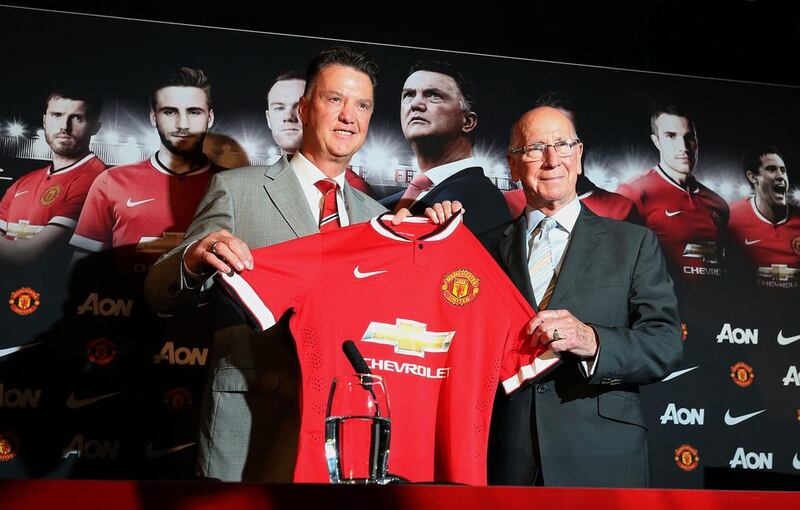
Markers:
16,128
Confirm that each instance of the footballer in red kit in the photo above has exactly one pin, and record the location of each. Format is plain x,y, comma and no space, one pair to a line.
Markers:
41,208
765,228
437,337
688,217
149,205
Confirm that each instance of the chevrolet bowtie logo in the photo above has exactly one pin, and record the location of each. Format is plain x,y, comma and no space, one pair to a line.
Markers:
778,272
708,251
408,337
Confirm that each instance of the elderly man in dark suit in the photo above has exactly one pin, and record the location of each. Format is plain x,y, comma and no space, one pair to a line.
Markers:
438,119
604,302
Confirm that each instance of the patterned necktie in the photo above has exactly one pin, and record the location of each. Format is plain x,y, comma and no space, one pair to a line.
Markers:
329,216
418,184
540,262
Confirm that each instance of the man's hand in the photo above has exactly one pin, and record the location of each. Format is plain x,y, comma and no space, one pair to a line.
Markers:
218,251
562,332
437,213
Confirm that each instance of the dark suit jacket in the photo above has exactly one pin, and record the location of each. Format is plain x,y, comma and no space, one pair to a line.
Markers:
591,431
484,204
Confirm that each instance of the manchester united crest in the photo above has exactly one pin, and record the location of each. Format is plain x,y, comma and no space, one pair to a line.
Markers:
796,245
9,446
687,457
178,399
460,287
24,301
101,351
50,194
684,331
742,374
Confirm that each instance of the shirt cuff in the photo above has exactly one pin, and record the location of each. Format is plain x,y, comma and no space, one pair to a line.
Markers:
589,365
189,279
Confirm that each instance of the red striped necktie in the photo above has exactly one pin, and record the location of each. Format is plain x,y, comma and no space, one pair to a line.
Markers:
329,217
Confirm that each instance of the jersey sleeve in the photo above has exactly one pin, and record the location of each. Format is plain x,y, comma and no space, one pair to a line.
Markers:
69,210
280,279
94,231
522,361
634,195
5,205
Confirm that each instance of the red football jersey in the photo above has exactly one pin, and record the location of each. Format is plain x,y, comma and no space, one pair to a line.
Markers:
430,311
688,221
771,249
599,201
357,182
145,205
48,197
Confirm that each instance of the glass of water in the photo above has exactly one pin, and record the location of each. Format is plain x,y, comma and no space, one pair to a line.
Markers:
357,430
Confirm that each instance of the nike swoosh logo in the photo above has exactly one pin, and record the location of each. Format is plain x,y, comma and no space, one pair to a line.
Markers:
678,373
20,193
131,203
735,420
748,242
12,350
152,453
795,462
75,403
359,274
670,214
786,340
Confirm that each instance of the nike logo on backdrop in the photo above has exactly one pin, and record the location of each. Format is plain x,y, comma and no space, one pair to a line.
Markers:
795,462
678,373
671,213
786,340
359,274
131,203
12,350
748,242
735,420
75,403
151,453
20,193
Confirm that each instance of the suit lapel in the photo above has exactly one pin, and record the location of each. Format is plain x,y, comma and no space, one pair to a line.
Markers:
357,211
283,188
584,239
514,254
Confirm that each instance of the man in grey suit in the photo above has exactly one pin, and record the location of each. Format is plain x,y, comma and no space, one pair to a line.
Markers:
604,302
250,419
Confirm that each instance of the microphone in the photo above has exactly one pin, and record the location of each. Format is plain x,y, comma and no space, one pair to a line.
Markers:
355,358
360,366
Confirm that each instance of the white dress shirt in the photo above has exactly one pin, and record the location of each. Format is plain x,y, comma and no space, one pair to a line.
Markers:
308,174
438,174
560,236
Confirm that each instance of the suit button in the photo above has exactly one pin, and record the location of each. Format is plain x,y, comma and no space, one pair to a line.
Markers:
541,388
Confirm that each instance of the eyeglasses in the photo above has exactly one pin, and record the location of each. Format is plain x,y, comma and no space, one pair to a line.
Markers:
535,151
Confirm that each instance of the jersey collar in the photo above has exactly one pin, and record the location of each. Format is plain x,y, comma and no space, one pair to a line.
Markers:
764,218
691,183
441,232
161,167
73,166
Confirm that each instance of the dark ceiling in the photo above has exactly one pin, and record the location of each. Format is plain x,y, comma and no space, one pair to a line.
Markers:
753,40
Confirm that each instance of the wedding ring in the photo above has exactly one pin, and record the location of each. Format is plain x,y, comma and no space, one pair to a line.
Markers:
214,247
556,335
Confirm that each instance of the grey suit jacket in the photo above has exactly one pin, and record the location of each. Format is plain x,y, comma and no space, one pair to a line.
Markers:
250,417
590,431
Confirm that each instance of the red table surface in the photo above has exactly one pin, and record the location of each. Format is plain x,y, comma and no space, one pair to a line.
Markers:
131,495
